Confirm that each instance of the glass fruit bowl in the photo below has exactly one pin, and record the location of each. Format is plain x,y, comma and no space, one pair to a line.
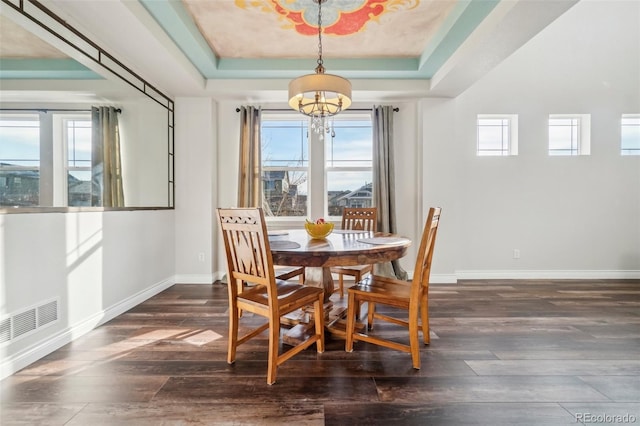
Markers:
318,230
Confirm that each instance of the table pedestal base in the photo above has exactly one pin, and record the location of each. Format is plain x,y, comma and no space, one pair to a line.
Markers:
319,277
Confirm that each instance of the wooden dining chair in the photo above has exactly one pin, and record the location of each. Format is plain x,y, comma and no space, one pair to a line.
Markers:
249,261
356,219
410,296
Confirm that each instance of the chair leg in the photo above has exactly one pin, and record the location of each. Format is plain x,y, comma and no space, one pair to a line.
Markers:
372,311
233,335
274,337
341,284
318,312
424,309
414,342
351,322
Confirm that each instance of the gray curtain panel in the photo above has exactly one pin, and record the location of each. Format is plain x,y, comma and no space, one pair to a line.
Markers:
384,183
249,181
106,162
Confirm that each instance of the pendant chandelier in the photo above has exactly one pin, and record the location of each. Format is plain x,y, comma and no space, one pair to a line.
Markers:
319,95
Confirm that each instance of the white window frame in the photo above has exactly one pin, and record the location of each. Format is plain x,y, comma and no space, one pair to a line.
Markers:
286,116
317,171
353,116
632,120
509,141
580,138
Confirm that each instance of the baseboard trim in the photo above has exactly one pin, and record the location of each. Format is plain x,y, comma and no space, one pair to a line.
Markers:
196,278
443,279
43,348
547,275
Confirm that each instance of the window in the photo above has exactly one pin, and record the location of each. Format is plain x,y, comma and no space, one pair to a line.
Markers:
307,174
285,165
349,164
497,135
630,134
569,134
45,159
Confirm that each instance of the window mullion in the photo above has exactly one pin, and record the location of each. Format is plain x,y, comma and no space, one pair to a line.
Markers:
317,176
48,189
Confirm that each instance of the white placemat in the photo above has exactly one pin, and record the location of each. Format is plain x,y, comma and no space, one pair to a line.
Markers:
350,231
283,244
384,240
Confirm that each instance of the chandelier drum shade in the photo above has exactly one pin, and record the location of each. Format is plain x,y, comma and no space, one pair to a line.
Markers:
320,95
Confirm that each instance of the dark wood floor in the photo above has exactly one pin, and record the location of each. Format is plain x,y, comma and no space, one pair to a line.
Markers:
502,353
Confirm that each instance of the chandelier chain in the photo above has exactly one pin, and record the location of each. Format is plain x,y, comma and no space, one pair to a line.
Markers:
320,61
320,95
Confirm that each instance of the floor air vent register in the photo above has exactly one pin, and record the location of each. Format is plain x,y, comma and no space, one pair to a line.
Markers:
27,321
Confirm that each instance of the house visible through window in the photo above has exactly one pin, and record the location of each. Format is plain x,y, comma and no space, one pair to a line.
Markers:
295,159
630,134
497,134
569,134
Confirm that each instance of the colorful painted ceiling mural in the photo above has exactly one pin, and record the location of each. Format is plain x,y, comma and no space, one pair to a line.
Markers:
338,18
352,28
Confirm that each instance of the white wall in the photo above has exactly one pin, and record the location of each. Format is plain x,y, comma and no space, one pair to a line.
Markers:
98,265
196,188
568,216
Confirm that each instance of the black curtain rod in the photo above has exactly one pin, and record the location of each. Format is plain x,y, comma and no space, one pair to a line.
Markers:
396,109
118,110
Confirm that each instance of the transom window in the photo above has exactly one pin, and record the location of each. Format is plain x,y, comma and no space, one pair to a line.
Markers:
630,134
306,174
497,135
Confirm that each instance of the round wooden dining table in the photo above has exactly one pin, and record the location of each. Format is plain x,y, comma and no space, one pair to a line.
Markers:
294,247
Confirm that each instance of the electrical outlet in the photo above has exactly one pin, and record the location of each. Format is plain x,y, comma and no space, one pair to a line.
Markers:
201,257
516,253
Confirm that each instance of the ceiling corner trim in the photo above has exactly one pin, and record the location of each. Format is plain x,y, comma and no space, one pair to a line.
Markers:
461,23
178,25
52,69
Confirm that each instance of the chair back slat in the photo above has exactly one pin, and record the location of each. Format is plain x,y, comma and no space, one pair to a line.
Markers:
360,218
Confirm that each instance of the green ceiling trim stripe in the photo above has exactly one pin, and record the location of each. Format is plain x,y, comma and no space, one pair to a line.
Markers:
51,69
177,23
468,15
292,68
296,65
444,30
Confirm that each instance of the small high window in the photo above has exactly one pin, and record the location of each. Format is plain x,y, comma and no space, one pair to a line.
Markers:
497,135
630,134
569,134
